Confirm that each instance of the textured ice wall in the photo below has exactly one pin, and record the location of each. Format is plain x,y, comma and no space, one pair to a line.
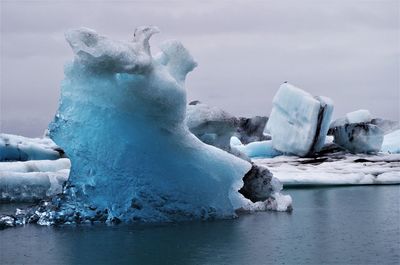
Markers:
121,122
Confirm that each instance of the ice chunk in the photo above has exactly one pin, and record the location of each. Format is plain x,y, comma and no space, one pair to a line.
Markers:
252,129
299,122
358,116
256,149
19,148
386,126
335,169
235,141
212,125
32,180
391,142
101,53
358,137
121,120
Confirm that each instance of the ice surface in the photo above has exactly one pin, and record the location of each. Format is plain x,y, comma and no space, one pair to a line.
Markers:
121,120
386,126
299,122
212,125
19,148
235,141
255,149
391,142
252,129
32,180
358,116
345,169
358,137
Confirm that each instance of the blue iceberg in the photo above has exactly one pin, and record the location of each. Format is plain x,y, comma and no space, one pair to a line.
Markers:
121,121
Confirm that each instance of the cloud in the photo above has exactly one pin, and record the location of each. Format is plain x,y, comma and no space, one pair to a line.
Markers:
346,50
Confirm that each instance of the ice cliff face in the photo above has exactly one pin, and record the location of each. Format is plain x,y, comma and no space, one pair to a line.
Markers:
121,120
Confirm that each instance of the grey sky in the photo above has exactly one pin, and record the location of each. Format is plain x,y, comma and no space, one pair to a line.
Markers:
346,50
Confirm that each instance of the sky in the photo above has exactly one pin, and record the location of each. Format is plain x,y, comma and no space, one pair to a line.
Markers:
348,51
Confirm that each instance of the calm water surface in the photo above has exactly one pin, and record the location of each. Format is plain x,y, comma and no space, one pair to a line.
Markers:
341,225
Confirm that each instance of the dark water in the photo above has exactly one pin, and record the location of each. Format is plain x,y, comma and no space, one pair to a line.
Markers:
342,225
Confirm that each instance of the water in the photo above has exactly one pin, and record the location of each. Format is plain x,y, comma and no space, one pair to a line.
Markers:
341,225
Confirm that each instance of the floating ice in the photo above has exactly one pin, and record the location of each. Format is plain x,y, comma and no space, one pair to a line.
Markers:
386,126
357,133
121,120
255,149
299,122
391,142
32,180
211,125
358,138
19,148
252,129
336,169
358,116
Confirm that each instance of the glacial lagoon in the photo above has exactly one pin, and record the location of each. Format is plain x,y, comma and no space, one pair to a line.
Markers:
341,225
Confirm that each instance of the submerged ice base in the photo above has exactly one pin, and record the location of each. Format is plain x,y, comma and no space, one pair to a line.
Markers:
122,124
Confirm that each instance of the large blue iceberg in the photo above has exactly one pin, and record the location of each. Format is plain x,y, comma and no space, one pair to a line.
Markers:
121,121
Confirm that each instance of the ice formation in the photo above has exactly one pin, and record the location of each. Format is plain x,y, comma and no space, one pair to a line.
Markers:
356,133
121,120
19,148
386,126
252,129
335,169
255,149
391,142
32,180
299,122
211,125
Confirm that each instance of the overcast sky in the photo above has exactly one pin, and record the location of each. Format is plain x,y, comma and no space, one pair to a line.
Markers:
346,50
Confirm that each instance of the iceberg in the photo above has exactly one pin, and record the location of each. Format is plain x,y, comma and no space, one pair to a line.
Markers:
255,149
356,132
386,126
121,121
19,148
358,116
391,143
34,180
211,125
299,122
252,129
358,138
334,169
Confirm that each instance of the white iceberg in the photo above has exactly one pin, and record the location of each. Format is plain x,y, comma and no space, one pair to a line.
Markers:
32,180
358,116
358,137
335,170
255,149
19,148
391,142
299,122
211,125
